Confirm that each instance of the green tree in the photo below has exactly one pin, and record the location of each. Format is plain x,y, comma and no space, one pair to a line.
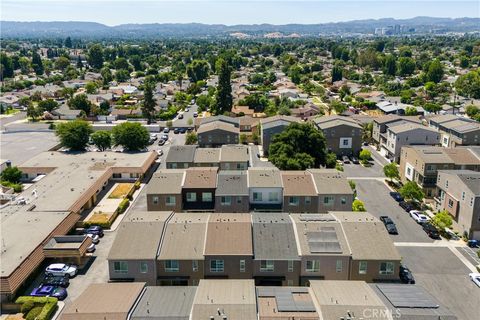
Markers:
472,111
365,155
34,112
224,98
442,220
148,106
6,66
74,135
298,147
367,132
11,174
469,84
412,191
102,139
198,70
390,65
122,75
68,42
391,171
131,135
136,62
331,160
191,138
358,206
337,73
406,66
434,71
106,75
243,138
95,56
411,111
80,102
48,105
24,65
121,63
62,63
37,64
91,87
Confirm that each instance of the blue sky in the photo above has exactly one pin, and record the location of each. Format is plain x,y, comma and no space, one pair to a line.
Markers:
114,12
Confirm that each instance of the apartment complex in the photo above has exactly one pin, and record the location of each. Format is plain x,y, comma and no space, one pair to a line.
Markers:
343,134
421,164
456,131
272,126
271,248
381,124
256,189
64,184
459,194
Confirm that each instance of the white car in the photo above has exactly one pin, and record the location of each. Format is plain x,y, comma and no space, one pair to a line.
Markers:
91,248
419,216
475,278
61,269
95,238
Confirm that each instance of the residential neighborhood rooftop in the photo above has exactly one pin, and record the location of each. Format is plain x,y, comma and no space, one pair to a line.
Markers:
229,234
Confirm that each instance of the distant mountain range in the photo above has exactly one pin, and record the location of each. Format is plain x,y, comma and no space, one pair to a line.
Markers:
420,25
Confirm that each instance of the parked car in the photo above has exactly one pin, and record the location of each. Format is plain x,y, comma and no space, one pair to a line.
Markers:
354,160
153,136
345,159
91,248
180,116
176,131
49,291
389,225
195,114
161,142
189,129
406,206
397,196
419,216
182,130
59,281
164,137
61,269
406,275
187,109
431,230
95,238
475,278
166,130
94,230
160,153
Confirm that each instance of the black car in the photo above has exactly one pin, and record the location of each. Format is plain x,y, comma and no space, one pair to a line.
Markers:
397,196
161,142
97,230
389,225
406,275
406,206
431,230
58,281
176,131
182,130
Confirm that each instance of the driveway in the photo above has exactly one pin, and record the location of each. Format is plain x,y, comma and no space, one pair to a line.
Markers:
445,277
255,161
377,200
186,115
358,171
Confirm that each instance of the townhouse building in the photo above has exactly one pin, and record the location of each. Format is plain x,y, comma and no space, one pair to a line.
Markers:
342,134
265,189
271,126
455,130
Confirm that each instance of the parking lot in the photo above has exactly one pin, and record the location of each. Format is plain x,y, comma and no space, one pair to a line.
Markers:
377,200
19,147
445,277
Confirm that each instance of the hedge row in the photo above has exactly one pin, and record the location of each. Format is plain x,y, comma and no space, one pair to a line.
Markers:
48,306
123,205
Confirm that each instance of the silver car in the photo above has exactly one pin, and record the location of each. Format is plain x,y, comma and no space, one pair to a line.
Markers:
61,269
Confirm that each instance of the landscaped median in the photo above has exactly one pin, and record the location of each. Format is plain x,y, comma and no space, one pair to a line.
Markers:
115,203
37,308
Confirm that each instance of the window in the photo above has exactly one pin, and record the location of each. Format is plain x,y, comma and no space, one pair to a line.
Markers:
471,202
290,283
267,266
450,203
226,200
312,266
386,268
290,265
446,184
170,201
308,200
155,200
227,166
216,266
239,200
257,196
362,267
191,197
117,176
195,265
206,196
120,267
242,265
143,267
171,266
293,201
463,195
339,266
173,166
134,175
328,200
345,142
272,196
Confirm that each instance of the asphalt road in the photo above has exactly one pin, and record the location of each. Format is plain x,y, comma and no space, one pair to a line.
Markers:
15,117
186,115
255,161
445,277
377,200
19,147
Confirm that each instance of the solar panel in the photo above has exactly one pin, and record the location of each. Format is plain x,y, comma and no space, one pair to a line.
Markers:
324,247
407,296
324,241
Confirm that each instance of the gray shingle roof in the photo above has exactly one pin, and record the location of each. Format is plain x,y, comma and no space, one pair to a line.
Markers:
181,154
273,237
167,181
232,183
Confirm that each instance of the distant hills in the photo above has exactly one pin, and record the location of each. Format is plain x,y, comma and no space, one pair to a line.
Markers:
14,29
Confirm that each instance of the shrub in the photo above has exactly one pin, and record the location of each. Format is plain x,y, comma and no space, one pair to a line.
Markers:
137,185
358,206
123,205
17,187
34,313
339,167
26,307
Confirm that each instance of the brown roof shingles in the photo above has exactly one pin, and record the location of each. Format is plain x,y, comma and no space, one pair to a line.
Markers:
199,178
229,234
